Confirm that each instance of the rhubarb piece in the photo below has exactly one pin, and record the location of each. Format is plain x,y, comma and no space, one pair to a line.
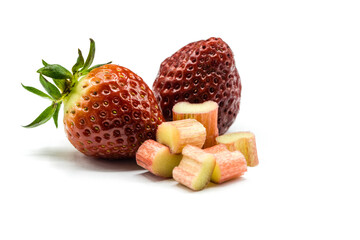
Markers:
206,113
229,164
177,134
157,158
195,168
243,142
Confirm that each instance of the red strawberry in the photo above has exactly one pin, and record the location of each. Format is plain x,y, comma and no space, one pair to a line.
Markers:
109,111
200,71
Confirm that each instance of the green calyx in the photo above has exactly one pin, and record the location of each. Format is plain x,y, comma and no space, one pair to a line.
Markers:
64,81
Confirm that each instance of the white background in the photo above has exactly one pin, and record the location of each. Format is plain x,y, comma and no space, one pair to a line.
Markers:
299,64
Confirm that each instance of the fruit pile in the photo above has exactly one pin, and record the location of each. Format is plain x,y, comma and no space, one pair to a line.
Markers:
111,113
177,151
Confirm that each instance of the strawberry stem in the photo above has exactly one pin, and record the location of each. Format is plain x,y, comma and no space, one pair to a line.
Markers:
64,82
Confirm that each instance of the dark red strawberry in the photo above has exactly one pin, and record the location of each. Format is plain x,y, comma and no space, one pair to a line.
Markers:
108,110
200,71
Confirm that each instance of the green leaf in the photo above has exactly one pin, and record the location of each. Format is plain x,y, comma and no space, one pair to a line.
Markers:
90,57
44,63
37,92
60,83
79,62
50,88
56,114
55,71
43,117
93,67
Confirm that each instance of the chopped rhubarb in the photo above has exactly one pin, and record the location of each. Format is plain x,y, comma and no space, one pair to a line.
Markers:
243,142
206,113
177,134
229,164
195,168
157,158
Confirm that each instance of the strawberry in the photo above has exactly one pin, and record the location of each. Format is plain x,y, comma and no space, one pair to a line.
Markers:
109,111
200,71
